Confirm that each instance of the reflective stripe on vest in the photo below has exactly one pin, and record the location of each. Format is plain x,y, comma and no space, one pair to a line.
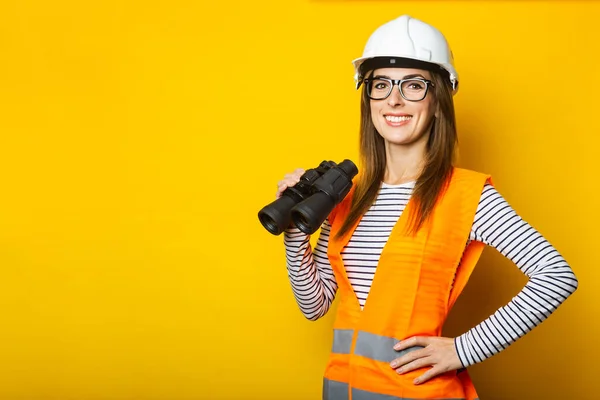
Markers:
333,390
376,347
342,341
379,348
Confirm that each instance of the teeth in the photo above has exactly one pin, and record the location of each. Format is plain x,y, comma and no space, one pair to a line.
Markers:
393,118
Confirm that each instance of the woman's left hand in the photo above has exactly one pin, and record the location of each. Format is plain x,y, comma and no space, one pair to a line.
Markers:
439,353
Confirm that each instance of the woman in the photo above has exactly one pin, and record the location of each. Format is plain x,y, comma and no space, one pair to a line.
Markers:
401,246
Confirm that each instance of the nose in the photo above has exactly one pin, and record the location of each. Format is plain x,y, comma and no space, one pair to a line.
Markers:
395,98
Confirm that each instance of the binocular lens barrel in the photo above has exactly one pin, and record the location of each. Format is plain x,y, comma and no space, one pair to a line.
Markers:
310,214
276,216
311,200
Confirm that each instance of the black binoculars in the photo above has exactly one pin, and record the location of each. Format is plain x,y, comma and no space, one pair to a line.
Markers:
308,203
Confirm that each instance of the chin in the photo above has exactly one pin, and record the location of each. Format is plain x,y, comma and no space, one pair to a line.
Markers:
398,138
408,138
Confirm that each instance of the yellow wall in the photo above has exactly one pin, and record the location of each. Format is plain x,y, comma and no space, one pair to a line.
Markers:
139,140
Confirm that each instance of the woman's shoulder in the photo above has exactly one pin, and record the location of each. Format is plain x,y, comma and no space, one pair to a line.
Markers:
468,183
468,171
466,174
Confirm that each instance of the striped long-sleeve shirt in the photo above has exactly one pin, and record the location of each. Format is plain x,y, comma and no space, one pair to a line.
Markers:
496,224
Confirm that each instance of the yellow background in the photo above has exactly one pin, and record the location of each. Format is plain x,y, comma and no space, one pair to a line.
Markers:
140,138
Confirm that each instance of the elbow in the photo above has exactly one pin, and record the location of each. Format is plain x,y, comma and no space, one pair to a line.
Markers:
314,316
318,310
575,283
570,283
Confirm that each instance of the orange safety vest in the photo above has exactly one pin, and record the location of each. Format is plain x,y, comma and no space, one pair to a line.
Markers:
417,281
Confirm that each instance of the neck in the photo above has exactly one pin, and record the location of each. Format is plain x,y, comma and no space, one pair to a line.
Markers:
404,163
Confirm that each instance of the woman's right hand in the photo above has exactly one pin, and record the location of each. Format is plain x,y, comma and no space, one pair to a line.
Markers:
288,180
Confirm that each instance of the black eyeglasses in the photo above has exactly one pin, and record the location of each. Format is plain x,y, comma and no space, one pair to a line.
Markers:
412,89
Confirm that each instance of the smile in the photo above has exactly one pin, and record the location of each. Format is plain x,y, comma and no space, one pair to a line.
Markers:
398,118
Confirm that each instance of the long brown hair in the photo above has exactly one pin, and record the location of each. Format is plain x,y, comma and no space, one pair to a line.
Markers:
436,172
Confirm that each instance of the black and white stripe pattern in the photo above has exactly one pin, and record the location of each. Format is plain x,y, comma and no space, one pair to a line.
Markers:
496,224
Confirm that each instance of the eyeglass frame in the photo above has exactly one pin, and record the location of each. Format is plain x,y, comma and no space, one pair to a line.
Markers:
398,82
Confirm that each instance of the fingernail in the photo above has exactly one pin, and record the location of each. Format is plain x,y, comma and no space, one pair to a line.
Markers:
417,381
394,364
399,370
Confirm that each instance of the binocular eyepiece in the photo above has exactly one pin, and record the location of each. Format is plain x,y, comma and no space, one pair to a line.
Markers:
308,203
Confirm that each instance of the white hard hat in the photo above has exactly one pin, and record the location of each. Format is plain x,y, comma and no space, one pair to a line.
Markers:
410,43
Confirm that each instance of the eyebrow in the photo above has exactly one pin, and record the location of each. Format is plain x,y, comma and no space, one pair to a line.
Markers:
405,77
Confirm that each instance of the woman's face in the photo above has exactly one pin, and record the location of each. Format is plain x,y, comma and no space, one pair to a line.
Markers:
398,120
